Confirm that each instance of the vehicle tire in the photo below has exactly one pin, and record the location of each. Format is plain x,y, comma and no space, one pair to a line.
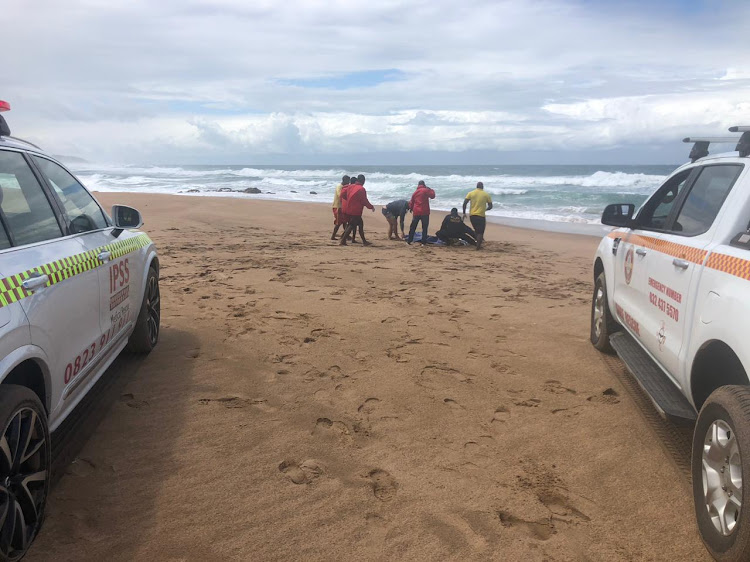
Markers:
24,469
603,324
720,466
146,333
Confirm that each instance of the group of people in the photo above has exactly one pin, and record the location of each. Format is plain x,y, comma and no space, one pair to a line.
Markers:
350,200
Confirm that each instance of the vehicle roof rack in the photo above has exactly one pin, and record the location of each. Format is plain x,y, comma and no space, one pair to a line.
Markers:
700,146
23,141
743,147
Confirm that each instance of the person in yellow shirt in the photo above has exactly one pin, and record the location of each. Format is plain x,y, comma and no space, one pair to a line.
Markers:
338,216
480,203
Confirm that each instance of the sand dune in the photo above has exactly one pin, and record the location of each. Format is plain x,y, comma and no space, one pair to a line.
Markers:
309,401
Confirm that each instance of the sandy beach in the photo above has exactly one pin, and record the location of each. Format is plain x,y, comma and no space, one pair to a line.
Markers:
313,402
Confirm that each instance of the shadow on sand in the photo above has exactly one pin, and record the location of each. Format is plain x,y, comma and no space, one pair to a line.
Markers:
112,454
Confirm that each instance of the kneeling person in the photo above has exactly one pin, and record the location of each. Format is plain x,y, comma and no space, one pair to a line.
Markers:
453,229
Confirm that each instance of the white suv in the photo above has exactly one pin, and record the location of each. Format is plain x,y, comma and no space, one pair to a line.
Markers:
76,288
672,298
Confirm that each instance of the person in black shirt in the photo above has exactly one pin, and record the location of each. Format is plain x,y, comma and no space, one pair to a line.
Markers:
392,212
453,228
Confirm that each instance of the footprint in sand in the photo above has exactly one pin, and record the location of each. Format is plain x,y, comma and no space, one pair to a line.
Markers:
501,415
131,402
368,406
561,508
233,402
530,403
302,473
452,404
555,387
608,396
541,530
324,426
383,485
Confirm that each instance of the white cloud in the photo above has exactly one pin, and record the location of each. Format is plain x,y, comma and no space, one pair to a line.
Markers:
179,80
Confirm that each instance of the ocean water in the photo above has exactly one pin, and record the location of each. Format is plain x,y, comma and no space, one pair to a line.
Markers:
562,194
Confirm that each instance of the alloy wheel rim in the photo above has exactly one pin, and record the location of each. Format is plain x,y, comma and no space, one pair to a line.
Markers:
722,477
154,310
23,475
598,311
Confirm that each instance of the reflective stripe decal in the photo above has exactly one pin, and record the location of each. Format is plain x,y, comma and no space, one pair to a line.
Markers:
730,264
11,289
673,249
738,267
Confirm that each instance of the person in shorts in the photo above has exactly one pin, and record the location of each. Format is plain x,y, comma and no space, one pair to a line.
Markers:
480,203
338,215
354,200
392,212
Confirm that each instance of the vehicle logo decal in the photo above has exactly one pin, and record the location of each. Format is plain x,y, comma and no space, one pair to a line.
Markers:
662,335
629,265
11,287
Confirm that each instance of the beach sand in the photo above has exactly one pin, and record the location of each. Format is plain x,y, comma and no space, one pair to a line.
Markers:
313,402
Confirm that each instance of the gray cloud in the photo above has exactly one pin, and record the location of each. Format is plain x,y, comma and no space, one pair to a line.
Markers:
187,80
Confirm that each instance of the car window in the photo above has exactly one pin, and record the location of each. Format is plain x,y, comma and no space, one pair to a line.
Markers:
83,213
655,212
705,199
4,240
25,209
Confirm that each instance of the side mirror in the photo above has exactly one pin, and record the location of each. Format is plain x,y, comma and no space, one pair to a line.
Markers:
618,214
126,217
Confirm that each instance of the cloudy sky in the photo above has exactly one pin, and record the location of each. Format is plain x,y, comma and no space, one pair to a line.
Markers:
363,81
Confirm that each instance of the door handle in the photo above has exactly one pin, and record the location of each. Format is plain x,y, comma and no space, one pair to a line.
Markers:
640,252
104,256
682,264
34,283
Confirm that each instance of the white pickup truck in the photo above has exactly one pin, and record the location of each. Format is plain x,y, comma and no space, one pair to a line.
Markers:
672,298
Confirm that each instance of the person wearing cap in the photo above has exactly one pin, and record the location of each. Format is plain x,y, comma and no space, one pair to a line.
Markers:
454,229
480,203
392,212
354,200
420,207
338,215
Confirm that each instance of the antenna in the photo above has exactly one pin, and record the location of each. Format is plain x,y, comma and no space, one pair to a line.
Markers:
700,146
743,147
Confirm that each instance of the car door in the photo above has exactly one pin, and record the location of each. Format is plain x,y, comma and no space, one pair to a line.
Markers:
683,248
14,328
636,251
90,225
49,273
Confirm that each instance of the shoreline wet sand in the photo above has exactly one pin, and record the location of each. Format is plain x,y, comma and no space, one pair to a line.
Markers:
309,401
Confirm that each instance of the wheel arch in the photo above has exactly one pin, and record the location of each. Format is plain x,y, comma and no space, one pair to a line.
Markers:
598,267
34,375
715,365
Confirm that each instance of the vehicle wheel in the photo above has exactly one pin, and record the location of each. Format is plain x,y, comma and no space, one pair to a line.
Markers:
720,465
146,332
602,323
24,469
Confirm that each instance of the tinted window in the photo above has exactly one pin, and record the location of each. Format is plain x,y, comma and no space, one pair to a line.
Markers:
705,199
4,242
83,213
655,212
25,208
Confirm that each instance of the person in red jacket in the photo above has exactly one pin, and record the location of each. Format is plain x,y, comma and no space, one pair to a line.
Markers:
420,207
354,200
